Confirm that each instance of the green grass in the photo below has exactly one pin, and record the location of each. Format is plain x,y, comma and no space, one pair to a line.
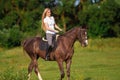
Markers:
100,60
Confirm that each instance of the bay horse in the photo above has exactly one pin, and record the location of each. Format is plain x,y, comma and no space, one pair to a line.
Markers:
63,52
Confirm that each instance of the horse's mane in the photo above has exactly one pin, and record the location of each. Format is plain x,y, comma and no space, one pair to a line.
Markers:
70,31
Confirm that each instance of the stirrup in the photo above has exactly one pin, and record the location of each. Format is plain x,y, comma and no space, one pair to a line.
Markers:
47,58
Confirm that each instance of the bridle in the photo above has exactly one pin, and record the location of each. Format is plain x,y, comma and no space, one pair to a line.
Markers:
83,36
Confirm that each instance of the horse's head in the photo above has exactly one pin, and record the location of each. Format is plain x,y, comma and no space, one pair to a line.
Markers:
82,37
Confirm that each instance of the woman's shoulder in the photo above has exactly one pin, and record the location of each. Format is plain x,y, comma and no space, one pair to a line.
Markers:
52,17
45,18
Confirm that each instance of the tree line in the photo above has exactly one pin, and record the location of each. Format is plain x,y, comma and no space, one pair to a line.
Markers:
20,19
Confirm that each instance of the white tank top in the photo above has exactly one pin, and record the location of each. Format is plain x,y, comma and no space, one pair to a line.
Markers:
51,22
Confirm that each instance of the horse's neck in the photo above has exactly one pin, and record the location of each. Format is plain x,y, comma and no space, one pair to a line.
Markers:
71,37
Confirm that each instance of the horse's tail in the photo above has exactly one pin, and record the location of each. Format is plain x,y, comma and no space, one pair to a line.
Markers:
24,43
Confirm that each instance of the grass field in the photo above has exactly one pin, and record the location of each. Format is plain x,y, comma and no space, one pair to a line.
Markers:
98,61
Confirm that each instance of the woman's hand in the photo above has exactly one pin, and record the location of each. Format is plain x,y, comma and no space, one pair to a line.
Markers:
58,28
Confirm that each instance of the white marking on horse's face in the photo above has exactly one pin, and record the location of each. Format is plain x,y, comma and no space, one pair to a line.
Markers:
86,42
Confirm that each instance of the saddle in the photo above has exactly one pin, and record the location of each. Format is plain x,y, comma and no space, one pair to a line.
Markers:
44,43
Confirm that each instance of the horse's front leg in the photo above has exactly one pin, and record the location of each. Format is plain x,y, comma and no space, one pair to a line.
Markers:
68,64
60,64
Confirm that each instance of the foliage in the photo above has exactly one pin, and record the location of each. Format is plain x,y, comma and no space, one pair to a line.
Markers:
10,37
102,18
112,16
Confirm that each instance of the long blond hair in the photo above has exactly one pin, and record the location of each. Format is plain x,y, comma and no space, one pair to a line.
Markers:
43,16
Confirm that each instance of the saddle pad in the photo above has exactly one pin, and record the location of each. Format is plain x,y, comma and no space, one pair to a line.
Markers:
43,45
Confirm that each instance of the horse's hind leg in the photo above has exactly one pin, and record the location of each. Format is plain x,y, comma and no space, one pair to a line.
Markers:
32,65
30,68
37,70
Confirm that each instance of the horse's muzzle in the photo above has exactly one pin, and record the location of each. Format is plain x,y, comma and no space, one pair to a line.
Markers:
85,43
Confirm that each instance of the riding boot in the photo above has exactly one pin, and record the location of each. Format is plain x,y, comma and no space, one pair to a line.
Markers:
47,53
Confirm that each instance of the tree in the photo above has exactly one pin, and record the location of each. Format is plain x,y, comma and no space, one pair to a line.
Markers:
102,19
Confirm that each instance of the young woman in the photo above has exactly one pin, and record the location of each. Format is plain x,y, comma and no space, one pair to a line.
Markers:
49,25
